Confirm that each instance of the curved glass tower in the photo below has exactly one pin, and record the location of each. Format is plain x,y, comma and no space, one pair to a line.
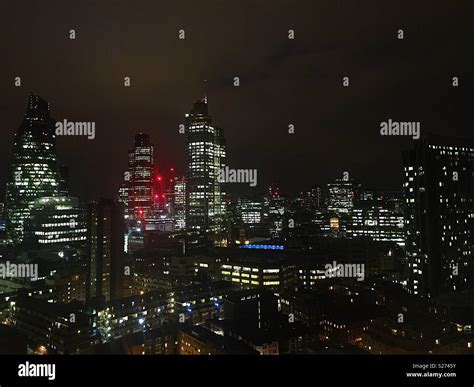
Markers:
34,172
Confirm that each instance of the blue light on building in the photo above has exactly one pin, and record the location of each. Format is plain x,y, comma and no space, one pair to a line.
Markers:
263,247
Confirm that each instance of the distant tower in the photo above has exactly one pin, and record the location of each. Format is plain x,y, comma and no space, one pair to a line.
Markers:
137,190
205,156
33,172
342,195
179,204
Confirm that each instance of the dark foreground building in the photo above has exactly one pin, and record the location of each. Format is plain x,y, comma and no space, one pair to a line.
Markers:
106,230
439,194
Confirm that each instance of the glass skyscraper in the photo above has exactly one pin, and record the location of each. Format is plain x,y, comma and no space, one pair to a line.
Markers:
34,172
137,190
205,156
342,195
179,204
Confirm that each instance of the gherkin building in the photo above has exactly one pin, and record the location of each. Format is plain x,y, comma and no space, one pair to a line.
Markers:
34,172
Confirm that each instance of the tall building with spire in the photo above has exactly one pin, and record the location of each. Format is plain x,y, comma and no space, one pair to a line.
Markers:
34,172
205,156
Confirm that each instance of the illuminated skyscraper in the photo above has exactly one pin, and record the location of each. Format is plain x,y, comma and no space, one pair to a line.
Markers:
137,190
274,209
439,195
342,195
34,172
250,211
205,156
179,204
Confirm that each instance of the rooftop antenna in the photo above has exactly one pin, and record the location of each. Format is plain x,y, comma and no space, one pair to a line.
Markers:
205,91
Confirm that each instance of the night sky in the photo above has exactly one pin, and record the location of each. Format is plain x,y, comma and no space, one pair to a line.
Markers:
282,81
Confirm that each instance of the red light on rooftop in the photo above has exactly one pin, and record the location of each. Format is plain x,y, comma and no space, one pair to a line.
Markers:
158,178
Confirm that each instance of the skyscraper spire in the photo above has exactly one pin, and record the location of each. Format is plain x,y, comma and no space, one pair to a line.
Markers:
205,92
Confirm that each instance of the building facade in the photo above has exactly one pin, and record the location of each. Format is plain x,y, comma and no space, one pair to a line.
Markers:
34,172
55,221
439,195
205,157
342,195
137,190
105,249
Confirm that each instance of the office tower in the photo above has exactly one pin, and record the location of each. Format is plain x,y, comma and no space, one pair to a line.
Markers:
138,188
56,221
34,172
274,208
342,195
439,194
249,211
314,198
250,267
179,204
307,203
381,220
105,238
205,156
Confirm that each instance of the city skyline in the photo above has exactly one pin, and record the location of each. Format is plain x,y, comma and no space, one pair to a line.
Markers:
260,179
242,189
409,79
